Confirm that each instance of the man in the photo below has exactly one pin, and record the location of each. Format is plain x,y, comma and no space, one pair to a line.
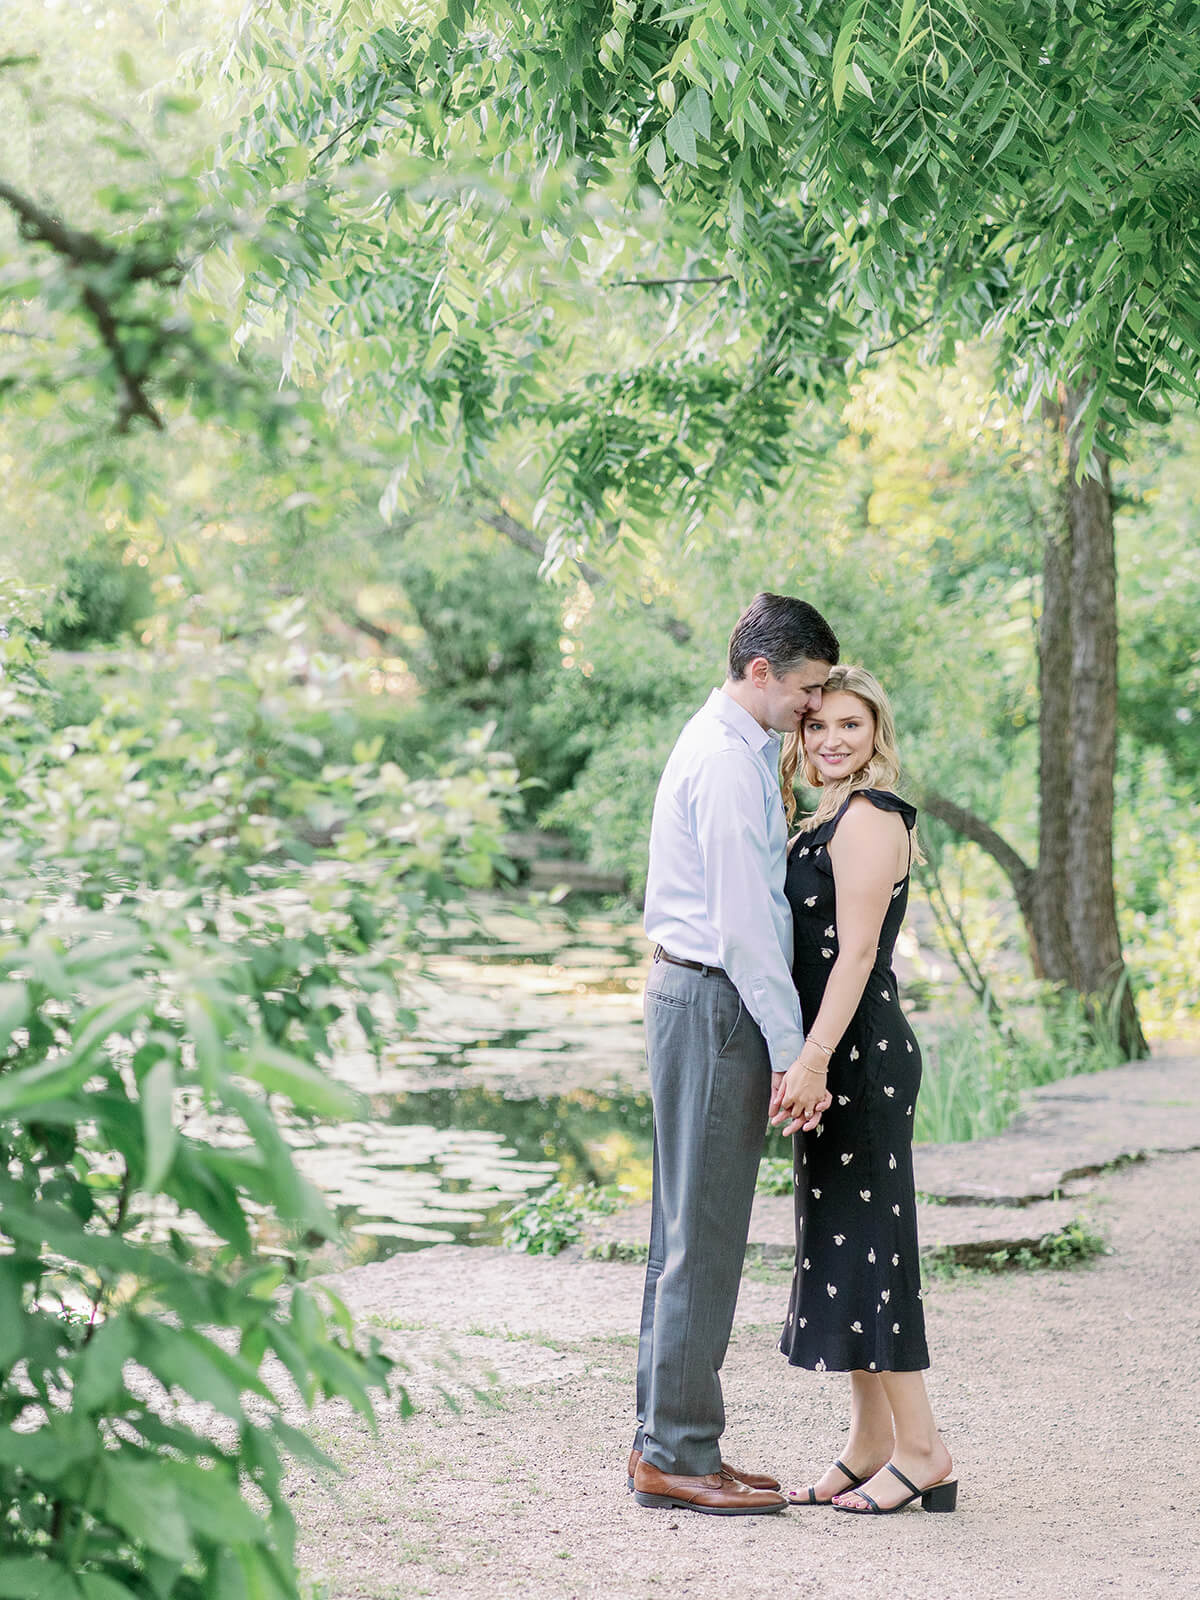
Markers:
722,1017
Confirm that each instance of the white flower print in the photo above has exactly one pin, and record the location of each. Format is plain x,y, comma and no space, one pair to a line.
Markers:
826,952
908,1046
895,1211
831,932
897,890
871,1254
884,995
811,901
831,1290
895,1327
920,1296
805,1264
820,1366
819,1129
908,1113
804,1322
871,1367
843,1100
856,1327
882,1045
804,852
789,1321
864,1194
892,1162
885,1295
854,1052
816,1194
895,1261
889,1090
839,1238
847,1157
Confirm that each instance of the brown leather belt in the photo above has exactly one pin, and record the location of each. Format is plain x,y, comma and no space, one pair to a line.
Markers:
697,966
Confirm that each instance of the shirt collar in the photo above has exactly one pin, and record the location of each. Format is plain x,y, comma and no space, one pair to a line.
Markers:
727,710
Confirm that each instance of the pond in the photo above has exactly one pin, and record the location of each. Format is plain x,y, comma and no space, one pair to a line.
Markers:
527,1066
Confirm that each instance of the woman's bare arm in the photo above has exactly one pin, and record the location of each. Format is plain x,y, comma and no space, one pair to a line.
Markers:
868,853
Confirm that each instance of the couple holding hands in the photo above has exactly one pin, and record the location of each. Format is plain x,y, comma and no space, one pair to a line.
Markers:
772,1000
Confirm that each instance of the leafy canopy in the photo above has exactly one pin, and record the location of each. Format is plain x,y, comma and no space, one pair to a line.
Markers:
469,188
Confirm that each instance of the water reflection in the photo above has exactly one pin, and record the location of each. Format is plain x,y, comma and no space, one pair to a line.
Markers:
527,1067
446,1165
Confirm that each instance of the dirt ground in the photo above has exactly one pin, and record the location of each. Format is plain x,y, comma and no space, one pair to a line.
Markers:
1070,1400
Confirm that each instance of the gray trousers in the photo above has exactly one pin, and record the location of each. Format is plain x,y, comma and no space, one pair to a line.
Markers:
710,1076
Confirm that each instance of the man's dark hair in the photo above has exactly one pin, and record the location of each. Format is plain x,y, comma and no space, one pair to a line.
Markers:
785,631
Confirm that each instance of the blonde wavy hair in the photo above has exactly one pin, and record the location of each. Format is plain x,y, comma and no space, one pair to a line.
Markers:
882,771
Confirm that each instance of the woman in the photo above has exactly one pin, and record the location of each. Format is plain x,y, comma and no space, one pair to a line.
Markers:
856,1297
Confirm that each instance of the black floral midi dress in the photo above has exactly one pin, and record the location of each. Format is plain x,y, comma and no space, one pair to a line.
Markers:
856,1291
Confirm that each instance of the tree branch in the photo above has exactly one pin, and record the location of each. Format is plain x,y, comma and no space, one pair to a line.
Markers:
85,249
82,250
662,283
981,833
496,517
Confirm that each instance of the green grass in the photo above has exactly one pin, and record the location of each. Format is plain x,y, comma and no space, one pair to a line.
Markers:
974,1073
1068,1246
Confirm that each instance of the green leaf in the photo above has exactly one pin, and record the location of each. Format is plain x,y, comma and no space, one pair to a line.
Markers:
306,1086
681,136
908,11
99,1586
215,1509
1007,134
14,1009
656,158
847,34
158,1122
28,1578
102,1363
185,1358
138,1497
697,110
12,1312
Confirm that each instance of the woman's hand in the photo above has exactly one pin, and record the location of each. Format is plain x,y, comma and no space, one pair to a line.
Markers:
803,1095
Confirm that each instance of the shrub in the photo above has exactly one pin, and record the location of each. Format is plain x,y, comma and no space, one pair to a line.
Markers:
196,907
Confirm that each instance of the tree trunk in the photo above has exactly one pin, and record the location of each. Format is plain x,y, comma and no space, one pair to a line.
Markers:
1050,937
1090,738
1067,901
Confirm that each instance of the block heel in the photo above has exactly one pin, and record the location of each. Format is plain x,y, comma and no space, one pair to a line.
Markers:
644,1499
937,1497
942,1497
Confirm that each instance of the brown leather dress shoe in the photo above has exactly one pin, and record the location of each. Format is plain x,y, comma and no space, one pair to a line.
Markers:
715,1494
753,1480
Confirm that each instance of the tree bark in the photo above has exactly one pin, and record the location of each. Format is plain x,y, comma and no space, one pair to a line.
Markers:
1091,738
1051,948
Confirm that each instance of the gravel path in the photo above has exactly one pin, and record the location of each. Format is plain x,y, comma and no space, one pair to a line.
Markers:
1070,1400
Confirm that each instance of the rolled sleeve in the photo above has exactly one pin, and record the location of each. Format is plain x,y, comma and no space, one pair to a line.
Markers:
731,821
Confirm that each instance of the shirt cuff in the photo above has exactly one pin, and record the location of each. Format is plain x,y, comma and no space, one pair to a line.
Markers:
783,1049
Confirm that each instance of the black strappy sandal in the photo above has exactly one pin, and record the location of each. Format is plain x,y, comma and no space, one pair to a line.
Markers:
938,1497
794,1497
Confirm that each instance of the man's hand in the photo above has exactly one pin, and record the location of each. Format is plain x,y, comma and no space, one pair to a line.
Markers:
799,1096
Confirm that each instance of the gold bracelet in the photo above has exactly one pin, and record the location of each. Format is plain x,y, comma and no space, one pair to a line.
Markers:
828,1048
817,1072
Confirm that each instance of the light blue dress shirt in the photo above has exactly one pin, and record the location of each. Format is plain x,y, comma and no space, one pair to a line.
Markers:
718,858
